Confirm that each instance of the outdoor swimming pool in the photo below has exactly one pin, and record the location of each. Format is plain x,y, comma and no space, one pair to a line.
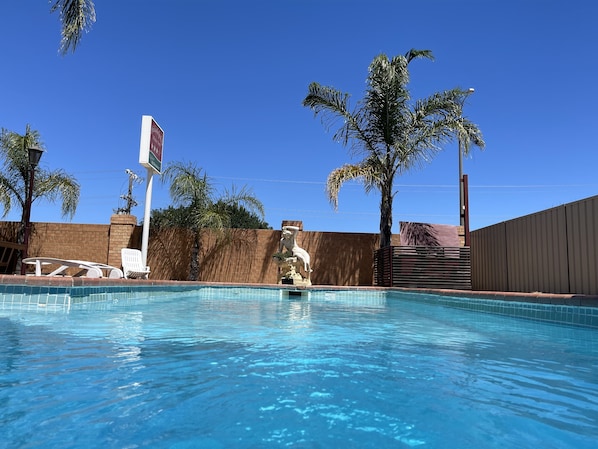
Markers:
251,368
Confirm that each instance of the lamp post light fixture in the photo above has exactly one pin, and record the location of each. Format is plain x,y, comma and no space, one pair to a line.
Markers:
35,154
461,186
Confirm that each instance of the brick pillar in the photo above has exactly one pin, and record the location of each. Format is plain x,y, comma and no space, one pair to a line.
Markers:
121,230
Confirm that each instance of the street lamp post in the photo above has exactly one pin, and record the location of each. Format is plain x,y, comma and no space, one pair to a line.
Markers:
461,184
35,154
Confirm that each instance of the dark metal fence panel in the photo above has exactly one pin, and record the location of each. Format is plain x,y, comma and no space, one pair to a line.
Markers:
537,253
553,251
552,227
424,267
489,259
582,244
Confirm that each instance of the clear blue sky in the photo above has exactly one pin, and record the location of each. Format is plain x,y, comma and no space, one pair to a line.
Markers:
226,79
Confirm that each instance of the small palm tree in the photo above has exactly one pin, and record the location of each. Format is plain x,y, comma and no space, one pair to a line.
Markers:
14,177
76,16
15,180
388,132
200,205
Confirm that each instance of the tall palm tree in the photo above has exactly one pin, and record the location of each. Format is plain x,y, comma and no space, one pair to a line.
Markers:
387,131
76,16
14,177
201,206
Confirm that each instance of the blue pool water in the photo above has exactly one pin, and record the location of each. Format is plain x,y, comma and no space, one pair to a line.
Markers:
357,370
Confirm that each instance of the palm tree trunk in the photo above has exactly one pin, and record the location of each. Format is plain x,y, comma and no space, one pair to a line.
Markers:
194,263
386,216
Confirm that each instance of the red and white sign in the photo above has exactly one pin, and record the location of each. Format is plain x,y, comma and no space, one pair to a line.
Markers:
151,144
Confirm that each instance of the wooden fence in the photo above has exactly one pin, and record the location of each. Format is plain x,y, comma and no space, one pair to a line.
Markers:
423,267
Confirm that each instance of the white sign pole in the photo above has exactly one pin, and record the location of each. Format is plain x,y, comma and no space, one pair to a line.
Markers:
146,215
150,156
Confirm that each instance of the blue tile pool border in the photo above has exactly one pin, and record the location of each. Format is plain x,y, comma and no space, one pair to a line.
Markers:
586,316
65,295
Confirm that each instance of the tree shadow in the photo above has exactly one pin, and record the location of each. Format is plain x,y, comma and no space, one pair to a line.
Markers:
419,234
242,255
341,258
169,253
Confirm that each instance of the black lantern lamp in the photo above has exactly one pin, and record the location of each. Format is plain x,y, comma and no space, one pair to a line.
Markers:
35,154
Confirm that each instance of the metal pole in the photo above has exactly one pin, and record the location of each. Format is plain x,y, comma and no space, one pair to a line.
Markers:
146,216
28,202
461,190
461,199
466,209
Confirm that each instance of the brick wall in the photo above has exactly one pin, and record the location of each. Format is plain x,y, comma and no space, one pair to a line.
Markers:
242,255
245,255
70,241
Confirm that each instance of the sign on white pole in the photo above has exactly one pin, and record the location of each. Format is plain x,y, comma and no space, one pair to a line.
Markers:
151,144
150,156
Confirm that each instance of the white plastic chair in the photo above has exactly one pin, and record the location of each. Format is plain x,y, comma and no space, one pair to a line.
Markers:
133,267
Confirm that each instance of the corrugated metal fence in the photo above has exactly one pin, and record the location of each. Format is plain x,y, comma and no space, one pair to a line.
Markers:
553,251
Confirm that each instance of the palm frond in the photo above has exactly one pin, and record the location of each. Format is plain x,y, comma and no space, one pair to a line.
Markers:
212,218
349,172
243,197
189,185
13,150
202,206
331,106
76,16
14,177
6,194
469,134
326,99
413,54
56,185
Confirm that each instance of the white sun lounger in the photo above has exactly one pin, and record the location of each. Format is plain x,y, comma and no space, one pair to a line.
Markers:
133,267
87,269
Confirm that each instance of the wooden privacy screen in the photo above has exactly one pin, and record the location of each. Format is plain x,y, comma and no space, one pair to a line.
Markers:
438,267
8,256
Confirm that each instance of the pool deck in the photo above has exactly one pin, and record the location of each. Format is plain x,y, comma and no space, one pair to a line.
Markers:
65,281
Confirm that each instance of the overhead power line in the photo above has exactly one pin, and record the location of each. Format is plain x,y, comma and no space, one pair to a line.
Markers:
449,186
